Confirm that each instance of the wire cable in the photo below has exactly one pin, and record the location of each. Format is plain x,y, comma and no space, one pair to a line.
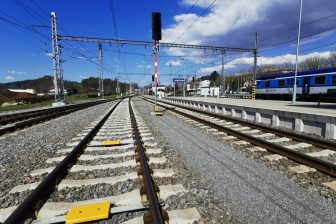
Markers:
195,21
185,14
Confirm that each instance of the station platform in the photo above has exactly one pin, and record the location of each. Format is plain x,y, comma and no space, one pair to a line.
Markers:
328,109
301,117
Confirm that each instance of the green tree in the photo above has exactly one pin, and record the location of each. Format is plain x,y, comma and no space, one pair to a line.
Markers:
90,84
215,78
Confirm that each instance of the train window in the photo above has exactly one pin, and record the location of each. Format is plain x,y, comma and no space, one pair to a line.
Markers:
281,83
267,84
333,79
291,81
320,80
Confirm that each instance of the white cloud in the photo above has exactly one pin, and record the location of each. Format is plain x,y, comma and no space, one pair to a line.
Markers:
233,23
174,63
48,54
277,60
85,58
16,72
221,18
85,76
9,77
142,66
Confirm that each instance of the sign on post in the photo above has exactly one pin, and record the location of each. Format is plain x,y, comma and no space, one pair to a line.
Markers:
179,79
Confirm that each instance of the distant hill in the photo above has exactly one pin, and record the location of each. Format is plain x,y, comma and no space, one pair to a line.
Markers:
45,83
42,84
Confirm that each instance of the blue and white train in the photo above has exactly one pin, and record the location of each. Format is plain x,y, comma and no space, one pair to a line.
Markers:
310,84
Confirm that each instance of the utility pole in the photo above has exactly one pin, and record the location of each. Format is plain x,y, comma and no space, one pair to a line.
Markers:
194,79
297,56
238,86
170,73
118,88
57,67
130,89
100,69
255,52
184,72
223,74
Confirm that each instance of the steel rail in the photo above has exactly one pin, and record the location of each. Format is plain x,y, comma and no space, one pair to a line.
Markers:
319,164
290,134
154,207
42,192
49,115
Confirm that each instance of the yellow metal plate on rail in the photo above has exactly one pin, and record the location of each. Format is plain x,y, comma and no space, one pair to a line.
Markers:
87,213
110,142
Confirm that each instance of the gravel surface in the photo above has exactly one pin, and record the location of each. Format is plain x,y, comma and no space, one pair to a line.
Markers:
101,173
253,192
313,181
27,149
96,191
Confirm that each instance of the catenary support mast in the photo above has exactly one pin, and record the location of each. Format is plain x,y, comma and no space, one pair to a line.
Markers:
100,64
57,67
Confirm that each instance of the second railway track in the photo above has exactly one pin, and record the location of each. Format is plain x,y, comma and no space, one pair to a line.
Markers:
312,153
16,121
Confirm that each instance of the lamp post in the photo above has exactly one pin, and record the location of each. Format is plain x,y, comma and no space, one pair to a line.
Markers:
297,55
184,73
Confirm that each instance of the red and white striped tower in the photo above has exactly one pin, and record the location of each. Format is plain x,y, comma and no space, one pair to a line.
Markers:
156,76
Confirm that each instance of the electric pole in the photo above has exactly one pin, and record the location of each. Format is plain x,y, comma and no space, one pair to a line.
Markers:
118,88
297,56
223,74
100,69
255,52
184,72
170,74
57,67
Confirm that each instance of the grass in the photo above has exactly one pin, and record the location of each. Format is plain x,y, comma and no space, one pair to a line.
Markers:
26,106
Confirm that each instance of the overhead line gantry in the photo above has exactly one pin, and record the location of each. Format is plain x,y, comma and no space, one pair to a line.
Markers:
57,38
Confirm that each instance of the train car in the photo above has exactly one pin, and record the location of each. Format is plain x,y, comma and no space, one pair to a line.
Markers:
310,84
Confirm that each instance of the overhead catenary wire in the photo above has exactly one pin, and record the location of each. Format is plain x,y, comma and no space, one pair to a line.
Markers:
46,17
23,26
304,25
185,14
188,28
292,40
23,40
28,10
115,28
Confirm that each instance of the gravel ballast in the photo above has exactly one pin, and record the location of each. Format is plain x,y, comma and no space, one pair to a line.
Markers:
253,192
27,149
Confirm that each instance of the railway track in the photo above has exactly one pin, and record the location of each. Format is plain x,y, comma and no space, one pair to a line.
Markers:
16,121
275,144
114,165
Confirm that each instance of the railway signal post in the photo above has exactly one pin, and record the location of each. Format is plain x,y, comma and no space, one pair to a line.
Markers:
156,36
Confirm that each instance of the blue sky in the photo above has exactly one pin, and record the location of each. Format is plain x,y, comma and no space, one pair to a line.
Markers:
25,50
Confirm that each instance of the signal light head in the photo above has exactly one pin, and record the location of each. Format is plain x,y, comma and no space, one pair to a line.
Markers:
156,26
